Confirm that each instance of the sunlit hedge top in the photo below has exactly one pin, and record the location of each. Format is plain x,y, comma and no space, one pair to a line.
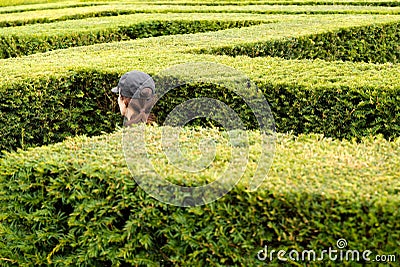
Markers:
76,203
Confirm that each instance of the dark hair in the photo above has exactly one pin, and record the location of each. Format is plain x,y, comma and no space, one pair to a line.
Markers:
142,108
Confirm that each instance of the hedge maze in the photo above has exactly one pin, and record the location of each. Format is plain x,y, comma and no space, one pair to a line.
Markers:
329,70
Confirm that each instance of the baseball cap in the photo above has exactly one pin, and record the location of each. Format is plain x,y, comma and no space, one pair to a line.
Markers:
133,83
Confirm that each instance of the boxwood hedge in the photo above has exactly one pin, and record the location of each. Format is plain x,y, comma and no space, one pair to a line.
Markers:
48,109
80,102
14,7
280,2
38,38
18,42
376,43
283,2
365,96
51,15
76,203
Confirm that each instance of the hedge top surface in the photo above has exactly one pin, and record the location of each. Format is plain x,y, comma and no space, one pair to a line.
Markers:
285,26
283,2
310,73
48,15
10,6
155,54
75,203
258,2
23,5
366,171
93,25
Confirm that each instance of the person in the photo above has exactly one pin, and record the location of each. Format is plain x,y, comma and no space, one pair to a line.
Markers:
136,97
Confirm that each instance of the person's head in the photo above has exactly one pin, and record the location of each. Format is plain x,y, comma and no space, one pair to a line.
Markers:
135,91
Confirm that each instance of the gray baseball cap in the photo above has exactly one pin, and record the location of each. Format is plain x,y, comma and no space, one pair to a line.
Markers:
132,83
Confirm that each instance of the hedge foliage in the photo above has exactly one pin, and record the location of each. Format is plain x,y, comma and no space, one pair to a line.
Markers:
273,29
351,113
281,2
24,40
18,42
75,99
48,109
21,2
373,43
16,8
54,15
366,96
80,102
76,203
44,5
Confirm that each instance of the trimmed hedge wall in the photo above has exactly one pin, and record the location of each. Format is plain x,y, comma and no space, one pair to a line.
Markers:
48,109
126,9
374,43
279,2
75,203
16,8
81,103
13,45
354,110
335,112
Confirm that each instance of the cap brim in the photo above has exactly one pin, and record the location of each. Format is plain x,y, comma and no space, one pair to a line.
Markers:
115,90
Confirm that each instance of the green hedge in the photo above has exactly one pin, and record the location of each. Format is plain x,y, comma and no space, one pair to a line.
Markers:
61,5
80,102
373,43
51,18
44,6
75,203
36,38
14,45
46,110
21,2
338,99
280,2
48,16
335,112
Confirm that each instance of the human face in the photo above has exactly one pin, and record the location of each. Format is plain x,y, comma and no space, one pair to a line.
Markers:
121,103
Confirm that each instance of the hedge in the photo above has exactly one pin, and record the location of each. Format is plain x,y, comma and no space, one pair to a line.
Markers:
20,2
366,99
61,5
373,43
280,2
62,106
43,6
335,112
76,203
155,54
30,39
363,101
18,42
38,38
79,102
51,15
